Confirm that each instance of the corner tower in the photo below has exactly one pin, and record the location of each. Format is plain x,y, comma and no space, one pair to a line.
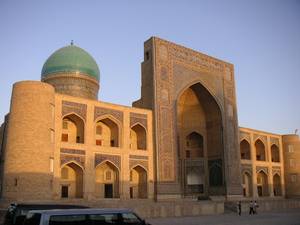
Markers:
72,71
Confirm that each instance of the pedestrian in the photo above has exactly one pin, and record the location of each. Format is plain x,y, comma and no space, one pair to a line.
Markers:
239,207
251,208
255,206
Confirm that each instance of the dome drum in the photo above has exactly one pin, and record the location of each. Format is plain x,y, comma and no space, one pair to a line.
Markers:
74,84
72,71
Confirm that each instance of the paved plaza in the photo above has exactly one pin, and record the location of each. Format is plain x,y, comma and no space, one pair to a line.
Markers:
285,217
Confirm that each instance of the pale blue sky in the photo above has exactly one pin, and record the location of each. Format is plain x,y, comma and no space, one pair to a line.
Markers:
260,37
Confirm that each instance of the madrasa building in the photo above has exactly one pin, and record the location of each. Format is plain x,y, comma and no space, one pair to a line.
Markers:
180,140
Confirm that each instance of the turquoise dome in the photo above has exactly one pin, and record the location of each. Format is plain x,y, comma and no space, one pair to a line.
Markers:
71,59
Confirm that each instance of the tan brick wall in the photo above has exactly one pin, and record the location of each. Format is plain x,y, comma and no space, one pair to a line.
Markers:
291,149
29,149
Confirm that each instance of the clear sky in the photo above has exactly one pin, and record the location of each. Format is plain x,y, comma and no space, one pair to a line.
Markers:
260,37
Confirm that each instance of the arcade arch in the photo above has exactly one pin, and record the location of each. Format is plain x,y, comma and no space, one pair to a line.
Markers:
107,132
71,181
277,185
72,129
138,137
245,150
275,153
138,182
262,184
260,150
107,180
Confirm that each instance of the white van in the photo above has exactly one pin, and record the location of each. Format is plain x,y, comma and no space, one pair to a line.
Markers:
83,217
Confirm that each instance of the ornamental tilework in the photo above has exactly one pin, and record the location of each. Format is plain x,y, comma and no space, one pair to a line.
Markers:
133,163
100,111
138,118
115,159
64,159
73,107
262,168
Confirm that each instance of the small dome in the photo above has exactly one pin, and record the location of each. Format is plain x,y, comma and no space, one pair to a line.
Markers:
71,59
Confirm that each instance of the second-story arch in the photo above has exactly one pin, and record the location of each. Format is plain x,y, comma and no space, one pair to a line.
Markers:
107,132
72,129
194,145
275,153
260,151
138,137
245,150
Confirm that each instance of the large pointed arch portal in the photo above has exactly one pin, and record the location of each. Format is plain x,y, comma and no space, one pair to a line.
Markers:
177,82
198,113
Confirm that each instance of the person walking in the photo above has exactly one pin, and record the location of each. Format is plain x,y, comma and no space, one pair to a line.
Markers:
239,207
251,208
255,206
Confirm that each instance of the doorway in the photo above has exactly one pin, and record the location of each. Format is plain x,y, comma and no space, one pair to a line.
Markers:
131,192
64,191
259,191
108,190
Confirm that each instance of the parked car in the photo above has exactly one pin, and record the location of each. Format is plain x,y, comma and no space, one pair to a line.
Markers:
16,213
83,217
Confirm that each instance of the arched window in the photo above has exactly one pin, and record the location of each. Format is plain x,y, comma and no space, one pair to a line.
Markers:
194,145
107,133
260,151
245,150
72,129
275,153
138,137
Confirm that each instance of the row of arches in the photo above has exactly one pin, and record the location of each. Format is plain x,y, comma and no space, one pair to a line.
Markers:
262,184
107,181
107,132
260,151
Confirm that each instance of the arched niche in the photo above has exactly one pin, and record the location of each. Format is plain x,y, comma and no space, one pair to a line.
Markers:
138,182
107,132
277,185
138,137
262,184
71,181
260,151
275,153
107,180
245,150
72,129
194,145
247,184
